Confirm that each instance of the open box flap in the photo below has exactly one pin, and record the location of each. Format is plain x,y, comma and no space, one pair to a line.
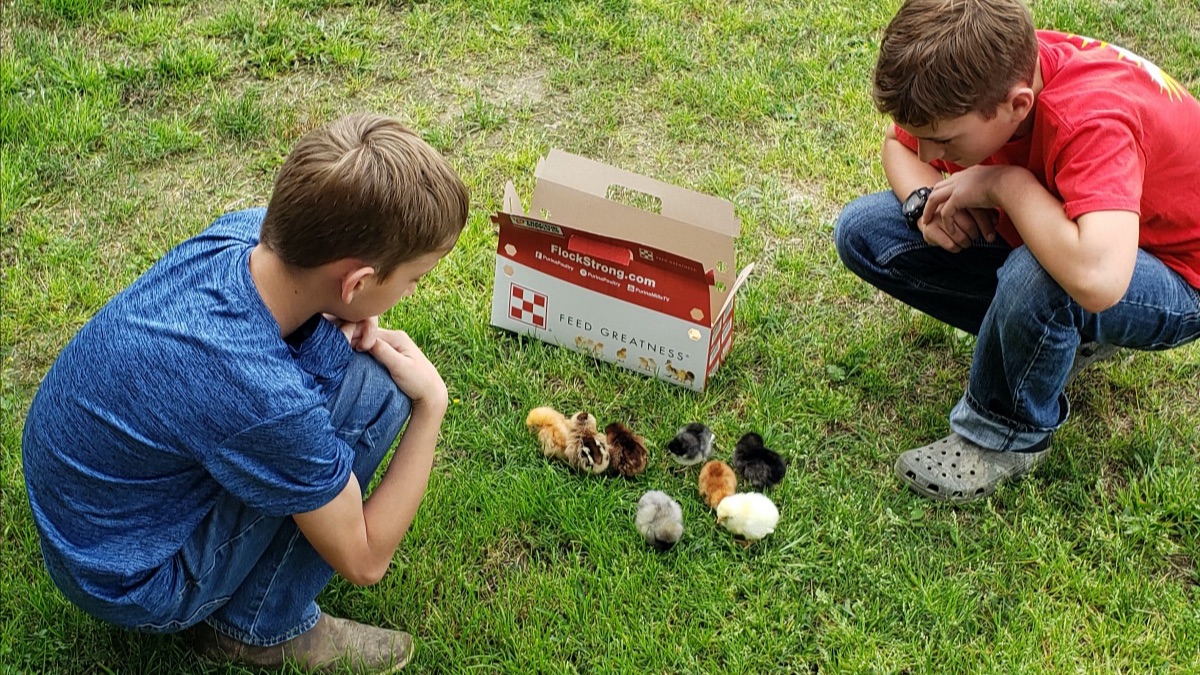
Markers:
512,201
595,178
737,284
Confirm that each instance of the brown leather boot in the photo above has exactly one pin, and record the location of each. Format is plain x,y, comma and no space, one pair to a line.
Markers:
329,645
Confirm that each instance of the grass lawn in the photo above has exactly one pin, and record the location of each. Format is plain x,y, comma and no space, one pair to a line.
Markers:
129,125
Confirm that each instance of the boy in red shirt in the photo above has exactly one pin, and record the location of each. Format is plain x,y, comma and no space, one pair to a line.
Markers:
1044,199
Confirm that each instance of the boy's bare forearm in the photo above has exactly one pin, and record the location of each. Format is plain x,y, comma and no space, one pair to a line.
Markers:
1094,264
905,172
390,509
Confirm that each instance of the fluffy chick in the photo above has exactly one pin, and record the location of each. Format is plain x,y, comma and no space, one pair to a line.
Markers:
586,449
551,429
757,464
627,450
717,482
659,519
750,515
692,444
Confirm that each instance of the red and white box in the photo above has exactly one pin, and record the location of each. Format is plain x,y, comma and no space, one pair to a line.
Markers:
650,290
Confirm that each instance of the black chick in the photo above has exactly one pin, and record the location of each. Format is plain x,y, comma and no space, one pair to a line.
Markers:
757,464
692,444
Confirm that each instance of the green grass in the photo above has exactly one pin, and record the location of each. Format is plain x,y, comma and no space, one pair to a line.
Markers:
128,125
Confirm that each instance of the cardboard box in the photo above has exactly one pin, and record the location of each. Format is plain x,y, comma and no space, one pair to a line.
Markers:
652,292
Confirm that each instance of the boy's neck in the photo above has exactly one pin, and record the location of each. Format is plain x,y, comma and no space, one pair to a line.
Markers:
290,296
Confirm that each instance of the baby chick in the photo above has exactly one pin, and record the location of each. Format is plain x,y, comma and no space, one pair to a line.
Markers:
551,429
757,464
659,519
627,451
692,444
717,482
586,449
750,515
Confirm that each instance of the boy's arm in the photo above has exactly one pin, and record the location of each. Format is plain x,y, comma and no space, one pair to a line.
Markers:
358,539
1092,259
905,172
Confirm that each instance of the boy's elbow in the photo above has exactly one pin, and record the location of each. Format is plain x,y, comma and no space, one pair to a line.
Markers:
367,574
1099,296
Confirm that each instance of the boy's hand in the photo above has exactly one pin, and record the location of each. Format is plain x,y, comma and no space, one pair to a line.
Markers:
357,333
960,210
410,370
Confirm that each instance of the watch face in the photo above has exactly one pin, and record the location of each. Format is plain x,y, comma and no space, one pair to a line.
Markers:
915,201
914,206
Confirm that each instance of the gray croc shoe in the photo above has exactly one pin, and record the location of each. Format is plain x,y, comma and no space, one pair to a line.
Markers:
956,470
1090,353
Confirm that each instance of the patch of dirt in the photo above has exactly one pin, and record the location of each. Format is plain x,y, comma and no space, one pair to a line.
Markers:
1113,478
1181,568
524,89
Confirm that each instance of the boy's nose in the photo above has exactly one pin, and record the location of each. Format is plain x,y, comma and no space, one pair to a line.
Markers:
927,152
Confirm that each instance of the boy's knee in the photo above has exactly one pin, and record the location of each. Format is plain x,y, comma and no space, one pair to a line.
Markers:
846,232
368,398
379,391
859,225
1025,288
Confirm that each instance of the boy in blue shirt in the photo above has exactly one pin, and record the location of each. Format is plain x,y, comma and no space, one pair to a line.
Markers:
199,451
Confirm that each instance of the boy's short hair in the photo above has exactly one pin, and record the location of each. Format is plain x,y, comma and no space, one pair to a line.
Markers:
942,59
363,187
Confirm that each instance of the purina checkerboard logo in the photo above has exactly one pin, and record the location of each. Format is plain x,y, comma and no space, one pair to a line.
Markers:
526,306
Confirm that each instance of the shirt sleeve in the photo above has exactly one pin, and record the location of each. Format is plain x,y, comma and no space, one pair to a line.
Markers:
286,465
1099,167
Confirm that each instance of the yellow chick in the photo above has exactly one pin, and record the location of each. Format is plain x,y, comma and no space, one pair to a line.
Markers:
749,515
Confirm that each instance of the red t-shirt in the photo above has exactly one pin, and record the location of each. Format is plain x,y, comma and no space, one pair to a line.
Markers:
1111,131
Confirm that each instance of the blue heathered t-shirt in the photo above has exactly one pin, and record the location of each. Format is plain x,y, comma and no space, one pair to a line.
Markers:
179,389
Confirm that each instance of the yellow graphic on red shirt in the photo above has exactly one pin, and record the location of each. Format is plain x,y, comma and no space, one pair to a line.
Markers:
1166,83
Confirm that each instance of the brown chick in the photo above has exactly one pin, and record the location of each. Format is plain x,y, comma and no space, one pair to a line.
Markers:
717,481
551,428
586,449
627,450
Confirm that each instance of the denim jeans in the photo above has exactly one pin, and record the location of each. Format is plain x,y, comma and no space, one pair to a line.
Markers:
1027,326
251,576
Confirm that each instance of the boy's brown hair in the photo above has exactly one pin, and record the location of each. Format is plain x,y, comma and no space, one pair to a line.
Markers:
942,59
363,187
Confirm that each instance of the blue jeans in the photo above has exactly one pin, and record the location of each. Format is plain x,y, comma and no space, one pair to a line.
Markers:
251,576
1027,326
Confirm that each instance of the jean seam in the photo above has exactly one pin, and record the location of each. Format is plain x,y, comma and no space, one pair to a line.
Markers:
212,564
275,575
1193,315
1018,389
178,624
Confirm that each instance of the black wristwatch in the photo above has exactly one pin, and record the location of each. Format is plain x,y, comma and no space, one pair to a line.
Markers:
914,206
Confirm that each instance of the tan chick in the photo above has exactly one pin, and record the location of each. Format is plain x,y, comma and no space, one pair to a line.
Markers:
626,450
717,481
551,429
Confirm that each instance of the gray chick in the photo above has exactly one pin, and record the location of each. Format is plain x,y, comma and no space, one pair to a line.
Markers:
692,444
659,519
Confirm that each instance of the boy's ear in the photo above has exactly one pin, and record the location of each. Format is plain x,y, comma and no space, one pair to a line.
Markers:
1021,100
354,278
